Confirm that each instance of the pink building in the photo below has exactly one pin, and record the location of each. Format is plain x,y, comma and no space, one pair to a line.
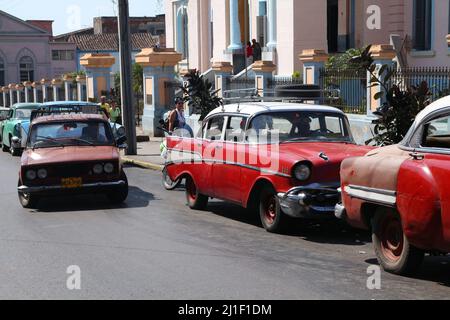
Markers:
28,52
206,31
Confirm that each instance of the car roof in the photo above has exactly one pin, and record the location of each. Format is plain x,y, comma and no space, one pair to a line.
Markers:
435,106
254,108
69,117
68,103
26,105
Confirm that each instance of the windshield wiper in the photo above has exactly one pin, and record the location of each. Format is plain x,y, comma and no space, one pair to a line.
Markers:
59,144
82,140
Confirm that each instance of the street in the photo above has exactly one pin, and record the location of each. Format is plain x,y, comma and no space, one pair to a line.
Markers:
154,247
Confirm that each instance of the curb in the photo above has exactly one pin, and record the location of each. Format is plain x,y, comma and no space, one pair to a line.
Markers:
143,164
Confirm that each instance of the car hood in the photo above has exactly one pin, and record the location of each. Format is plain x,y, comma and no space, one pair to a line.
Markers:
70,154
308,151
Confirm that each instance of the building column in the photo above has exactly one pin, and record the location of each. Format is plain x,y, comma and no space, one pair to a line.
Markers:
12,94
382,54
159,68
68,79
222,70
19,89
27,87
313,61
35,86
45,83
3,95
56,83
98,74
263,74
81,85
272,24
235,29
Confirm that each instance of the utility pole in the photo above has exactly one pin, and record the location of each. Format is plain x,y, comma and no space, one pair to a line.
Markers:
129,119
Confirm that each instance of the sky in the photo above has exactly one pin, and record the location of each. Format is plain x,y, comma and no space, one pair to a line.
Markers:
70,15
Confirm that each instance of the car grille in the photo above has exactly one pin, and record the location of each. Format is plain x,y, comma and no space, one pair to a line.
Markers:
71,170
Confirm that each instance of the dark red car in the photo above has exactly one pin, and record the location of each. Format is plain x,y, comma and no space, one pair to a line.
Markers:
280,159
68,154
402,192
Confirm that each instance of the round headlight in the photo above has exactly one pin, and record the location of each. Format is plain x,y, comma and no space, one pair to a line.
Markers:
31,174
98,169
42,173
109,168
302,172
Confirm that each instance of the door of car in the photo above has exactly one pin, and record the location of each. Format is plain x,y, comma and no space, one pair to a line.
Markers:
230,155
424,181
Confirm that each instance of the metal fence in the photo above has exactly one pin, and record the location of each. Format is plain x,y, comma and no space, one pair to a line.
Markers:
437,78
347,89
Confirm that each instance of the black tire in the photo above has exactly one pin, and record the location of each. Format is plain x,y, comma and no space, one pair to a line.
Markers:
195,200
15,152
5,148
168,183
272,218
119,195
394,252
28,201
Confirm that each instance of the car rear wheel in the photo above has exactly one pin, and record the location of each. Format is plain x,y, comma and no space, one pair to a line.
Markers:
4,147
272,218
195,200
14,151
27,200
119,195
394,252
168,183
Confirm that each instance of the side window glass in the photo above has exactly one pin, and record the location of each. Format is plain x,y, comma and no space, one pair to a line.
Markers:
10,115
236,129
215,128
436,133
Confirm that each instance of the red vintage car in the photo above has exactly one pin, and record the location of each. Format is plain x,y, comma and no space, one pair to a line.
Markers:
281,159
68,154
402,192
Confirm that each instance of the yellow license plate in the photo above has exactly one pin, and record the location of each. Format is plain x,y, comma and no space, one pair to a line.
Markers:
71,183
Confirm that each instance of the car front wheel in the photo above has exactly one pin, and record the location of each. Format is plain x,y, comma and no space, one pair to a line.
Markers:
27,200
394,252
119,195
195,200
272,218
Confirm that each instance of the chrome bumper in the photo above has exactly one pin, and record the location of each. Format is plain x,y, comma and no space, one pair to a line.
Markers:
310,201
98,185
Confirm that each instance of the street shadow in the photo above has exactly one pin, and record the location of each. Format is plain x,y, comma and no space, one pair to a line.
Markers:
137,198
434,269
324,230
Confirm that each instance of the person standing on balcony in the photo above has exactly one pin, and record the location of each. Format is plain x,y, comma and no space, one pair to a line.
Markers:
257,51
249,53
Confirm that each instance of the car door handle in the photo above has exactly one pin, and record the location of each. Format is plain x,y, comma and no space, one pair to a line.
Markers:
219,147
417,156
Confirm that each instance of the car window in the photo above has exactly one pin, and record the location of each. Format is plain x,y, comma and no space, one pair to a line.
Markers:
437,133
236,129
215,128
23,114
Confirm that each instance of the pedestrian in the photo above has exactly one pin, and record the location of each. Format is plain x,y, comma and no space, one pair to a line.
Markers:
106,108
177,119
249,53
257,51
115,113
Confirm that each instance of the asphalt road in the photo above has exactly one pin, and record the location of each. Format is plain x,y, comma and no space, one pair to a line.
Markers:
154,247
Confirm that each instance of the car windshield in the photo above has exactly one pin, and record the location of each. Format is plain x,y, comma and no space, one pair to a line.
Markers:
71,133
298,126
23,114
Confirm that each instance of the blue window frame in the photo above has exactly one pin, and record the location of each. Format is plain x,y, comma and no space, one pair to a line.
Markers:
423,25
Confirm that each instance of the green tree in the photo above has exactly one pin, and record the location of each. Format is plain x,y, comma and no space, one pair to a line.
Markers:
200,95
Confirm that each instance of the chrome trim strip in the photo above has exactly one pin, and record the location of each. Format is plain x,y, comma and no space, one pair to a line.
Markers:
26,189
371,194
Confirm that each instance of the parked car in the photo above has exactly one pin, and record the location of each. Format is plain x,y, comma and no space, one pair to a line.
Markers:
4,112
275,158
82,107
15,127
71,153
402,192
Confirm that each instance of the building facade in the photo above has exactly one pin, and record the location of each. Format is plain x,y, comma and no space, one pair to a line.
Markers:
208,31
29,53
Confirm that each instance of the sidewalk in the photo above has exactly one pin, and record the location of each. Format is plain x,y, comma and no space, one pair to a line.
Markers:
149,155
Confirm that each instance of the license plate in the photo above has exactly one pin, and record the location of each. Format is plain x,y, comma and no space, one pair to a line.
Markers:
71,183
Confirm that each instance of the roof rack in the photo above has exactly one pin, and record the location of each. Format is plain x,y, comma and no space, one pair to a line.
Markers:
65,109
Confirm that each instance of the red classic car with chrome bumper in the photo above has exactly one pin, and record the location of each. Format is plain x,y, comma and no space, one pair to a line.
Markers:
71,154
402,192
276,158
